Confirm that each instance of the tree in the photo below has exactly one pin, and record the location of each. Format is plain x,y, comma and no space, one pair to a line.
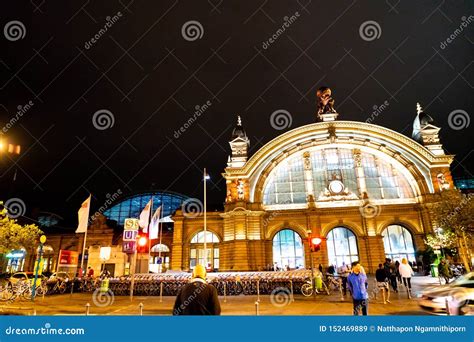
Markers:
453,211
15,236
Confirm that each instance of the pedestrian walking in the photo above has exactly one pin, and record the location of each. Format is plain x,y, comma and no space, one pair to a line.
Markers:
197,297
389,267
357,284
382,283
343,272
444,271
406,272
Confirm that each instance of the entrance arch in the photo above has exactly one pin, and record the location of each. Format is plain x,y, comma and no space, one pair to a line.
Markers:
342,246
398,243
197,250
288,250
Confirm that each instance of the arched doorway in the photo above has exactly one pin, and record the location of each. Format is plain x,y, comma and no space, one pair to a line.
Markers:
398,243
160,258
197,250
288,250
342,246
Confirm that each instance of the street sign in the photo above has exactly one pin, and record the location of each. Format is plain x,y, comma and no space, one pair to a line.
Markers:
129,247
130,235
131,224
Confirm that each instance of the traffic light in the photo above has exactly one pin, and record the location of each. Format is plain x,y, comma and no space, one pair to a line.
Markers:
314,243
142,244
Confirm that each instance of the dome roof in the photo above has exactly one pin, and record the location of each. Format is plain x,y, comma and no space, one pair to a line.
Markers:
238,131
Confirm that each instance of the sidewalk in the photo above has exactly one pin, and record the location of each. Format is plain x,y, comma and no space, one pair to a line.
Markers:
75,304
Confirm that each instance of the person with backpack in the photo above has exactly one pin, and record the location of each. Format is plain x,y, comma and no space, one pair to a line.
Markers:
197,297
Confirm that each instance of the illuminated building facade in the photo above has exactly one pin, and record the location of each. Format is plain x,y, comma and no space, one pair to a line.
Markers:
365,189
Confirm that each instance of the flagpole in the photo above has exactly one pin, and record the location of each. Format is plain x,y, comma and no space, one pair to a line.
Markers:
84,250
149,239
85,238
160,231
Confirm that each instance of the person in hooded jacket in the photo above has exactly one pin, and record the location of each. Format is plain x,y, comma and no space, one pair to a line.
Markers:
197,297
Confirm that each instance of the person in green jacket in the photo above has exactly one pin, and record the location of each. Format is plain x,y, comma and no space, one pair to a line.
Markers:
444,271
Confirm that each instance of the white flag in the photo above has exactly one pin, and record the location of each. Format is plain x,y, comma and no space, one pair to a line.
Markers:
83,215
145,217
155,221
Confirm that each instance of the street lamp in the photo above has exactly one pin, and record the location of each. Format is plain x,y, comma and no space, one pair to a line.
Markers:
206,177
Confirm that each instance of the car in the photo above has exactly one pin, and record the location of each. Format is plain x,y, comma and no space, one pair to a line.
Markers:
19,276
456,298
63,276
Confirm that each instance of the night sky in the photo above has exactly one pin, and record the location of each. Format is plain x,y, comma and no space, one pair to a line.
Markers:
148,74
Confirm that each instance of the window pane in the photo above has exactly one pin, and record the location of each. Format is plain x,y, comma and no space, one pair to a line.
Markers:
342,246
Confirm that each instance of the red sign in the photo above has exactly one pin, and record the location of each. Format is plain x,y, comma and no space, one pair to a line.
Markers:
129,247
68,258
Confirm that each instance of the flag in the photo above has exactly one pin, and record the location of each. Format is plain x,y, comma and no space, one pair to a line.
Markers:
155,221
83,215
145,217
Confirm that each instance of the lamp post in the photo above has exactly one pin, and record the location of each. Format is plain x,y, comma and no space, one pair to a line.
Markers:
38,262
205,178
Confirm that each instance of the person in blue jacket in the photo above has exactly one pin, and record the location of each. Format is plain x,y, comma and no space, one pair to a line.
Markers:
357,284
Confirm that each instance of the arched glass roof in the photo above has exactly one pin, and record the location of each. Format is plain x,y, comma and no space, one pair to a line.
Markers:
132,206
293,179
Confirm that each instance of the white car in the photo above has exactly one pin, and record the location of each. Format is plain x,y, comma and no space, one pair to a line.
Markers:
457,297
64,276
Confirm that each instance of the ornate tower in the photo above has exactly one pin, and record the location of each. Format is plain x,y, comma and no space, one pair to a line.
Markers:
239,144
426,133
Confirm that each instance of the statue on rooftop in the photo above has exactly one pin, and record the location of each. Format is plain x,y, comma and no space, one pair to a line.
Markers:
325,101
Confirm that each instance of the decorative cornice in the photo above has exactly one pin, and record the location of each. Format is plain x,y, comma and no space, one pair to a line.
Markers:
319,133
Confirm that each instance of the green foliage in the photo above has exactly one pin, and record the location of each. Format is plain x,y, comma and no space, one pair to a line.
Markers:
454,211
441,239
15,236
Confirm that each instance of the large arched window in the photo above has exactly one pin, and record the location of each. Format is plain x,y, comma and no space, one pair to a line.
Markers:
398,243
197,250
342,246
288,250
286,183
335,174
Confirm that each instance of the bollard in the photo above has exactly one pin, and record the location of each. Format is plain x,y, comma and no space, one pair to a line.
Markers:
161,292
258,290
291,289
87,309
34,312
140,306
257,311
225,292
447,307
